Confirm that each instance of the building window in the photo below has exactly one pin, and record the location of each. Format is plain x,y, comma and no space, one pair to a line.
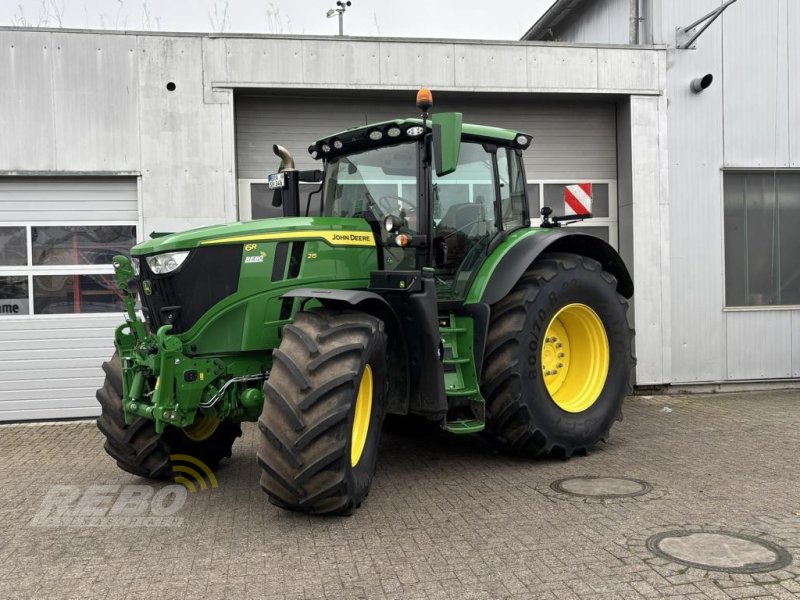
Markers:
61,268
762,245
602,196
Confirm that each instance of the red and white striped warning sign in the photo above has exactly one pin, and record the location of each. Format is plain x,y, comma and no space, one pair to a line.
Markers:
578,199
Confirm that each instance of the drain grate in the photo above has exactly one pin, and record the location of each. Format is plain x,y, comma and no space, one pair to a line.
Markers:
719,551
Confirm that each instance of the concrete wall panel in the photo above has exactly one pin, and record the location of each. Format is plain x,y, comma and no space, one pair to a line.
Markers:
573,68
417,65
627,69
490,67
262,61
27,121
182,161
96,83
651,243
357,63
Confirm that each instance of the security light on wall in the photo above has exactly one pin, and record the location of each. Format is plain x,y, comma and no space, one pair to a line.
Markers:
700,83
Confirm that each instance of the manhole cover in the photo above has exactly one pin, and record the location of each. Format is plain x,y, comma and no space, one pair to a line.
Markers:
719,551
588,486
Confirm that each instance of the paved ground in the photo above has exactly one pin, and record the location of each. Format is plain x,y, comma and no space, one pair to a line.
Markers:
447,517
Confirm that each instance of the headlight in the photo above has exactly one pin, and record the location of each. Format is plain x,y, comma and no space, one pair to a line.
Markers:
135,265
414,131
392,223
160,264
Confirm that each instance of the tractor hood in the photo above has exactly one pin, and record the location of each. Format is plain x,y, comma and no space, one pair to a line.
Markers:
334,230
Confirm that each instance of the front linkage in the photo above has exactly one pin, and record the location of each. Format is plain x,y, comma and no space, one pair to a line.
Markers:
163,384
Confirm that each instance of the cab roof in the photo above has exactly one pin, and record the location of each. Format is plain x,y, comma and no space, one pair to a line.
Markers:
363,137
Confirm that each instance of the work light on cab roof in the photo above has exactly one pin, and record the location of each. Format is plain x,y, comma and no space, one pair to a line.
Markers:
365,137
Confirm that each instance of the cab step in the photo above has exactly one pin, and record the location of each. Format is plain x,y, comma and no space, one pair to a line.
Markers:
464,426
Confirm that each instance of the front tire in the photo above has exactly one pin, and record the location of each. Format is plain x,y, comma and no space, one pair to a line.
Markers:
323,412
139,450
558,359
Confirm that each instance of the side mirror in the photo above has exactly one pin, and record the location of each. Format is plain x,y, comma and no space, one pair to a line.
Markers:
446,141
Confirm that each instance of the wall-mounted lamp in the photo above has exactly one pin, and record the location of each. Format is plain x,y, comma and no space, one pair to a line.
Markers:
700,83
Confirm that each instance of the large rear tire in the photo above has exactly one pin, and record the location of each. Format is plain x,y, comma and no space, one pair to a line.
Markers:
323,412
558,359
139,450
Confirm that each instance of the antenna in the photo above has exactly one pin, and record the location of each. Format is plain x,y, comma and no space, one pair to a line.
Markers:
341,7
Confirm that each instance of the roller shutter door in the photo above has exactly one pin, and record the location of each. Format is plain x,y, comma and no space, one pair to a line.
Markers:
574,141
58,302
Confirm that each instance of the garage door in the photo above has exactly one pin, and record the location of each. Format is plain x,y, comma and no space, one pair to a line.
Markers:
59,303
574,142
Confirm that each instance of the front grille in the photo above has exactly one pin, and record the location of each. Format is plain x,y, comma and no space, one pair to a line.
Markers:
179,299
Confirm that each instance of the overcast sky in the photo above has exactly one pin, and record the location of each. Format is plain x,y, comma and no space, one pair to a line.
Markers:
498,19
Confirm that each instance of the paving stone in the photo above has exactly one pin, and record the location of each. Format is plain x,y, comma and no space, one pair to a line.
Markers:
447,517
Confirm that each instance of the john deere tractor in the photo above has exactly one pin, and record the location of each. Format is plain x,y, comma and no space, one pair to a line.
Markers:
421,290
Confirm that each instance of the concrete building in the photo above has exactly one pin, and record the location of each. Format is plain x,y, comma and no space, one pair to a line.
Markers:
108,136
732,310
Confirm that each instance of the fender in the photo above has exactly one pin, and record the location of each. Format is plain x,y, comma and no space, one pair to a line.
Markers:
498,275
373,304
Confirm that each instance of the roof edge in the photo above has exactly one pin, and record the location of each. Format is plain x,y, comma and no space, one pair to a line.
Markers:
557,12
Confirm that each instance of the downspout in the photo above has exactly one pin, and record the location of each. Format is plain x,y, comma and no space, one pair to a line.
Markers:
633,33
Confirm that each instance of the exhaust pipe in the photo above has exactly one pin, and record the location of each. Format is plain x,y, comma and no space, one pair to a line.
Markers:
700,83
287,197
286,158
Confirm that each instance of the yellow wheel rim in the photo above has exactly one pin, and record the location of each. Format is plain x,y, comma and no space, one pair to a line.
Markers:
202,428
575,358
358,437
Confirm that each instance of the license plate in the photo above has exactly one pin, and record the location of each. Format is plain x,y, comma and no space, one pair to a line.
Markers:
275,181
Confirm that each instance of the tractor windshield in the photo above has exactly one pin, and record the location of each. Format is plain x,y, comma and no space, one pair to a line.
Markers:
380,182
468,207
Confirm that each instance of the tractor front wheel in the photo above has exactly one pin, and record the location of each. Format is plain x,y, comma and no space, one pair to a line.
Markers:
558,359
138,449
323,412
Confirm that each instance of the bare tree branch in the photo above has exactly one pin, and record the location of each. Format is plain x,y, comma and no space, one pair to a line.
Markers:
57,12
275,20
377,25
220,21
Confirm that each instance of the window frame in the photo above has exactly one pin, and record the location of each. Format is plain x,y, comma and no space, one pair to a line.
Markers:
30,270
611,221
724,278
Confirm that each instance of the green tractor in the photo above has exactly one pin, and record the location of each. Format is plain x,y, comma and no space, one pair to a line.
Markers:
422,291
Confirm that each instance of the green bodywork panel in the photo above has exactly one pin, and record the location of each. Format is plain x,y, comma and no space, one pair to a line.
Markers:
283,225
481,279
168,377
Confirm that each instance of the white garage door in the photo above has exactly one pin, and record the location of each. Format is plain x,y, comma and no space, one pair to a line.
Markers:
574,142
59,304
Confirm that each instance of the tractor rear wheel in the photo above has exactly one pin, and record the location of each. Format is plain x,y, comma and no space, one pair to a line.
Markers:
323,412
558,359
139,450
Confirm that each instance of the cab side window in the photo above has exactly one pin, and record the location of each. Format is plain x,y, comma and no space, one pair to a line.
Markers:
512,187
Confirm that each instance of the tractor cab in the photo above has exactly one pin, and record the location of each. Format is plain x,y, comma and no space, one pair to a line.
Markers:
435,191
